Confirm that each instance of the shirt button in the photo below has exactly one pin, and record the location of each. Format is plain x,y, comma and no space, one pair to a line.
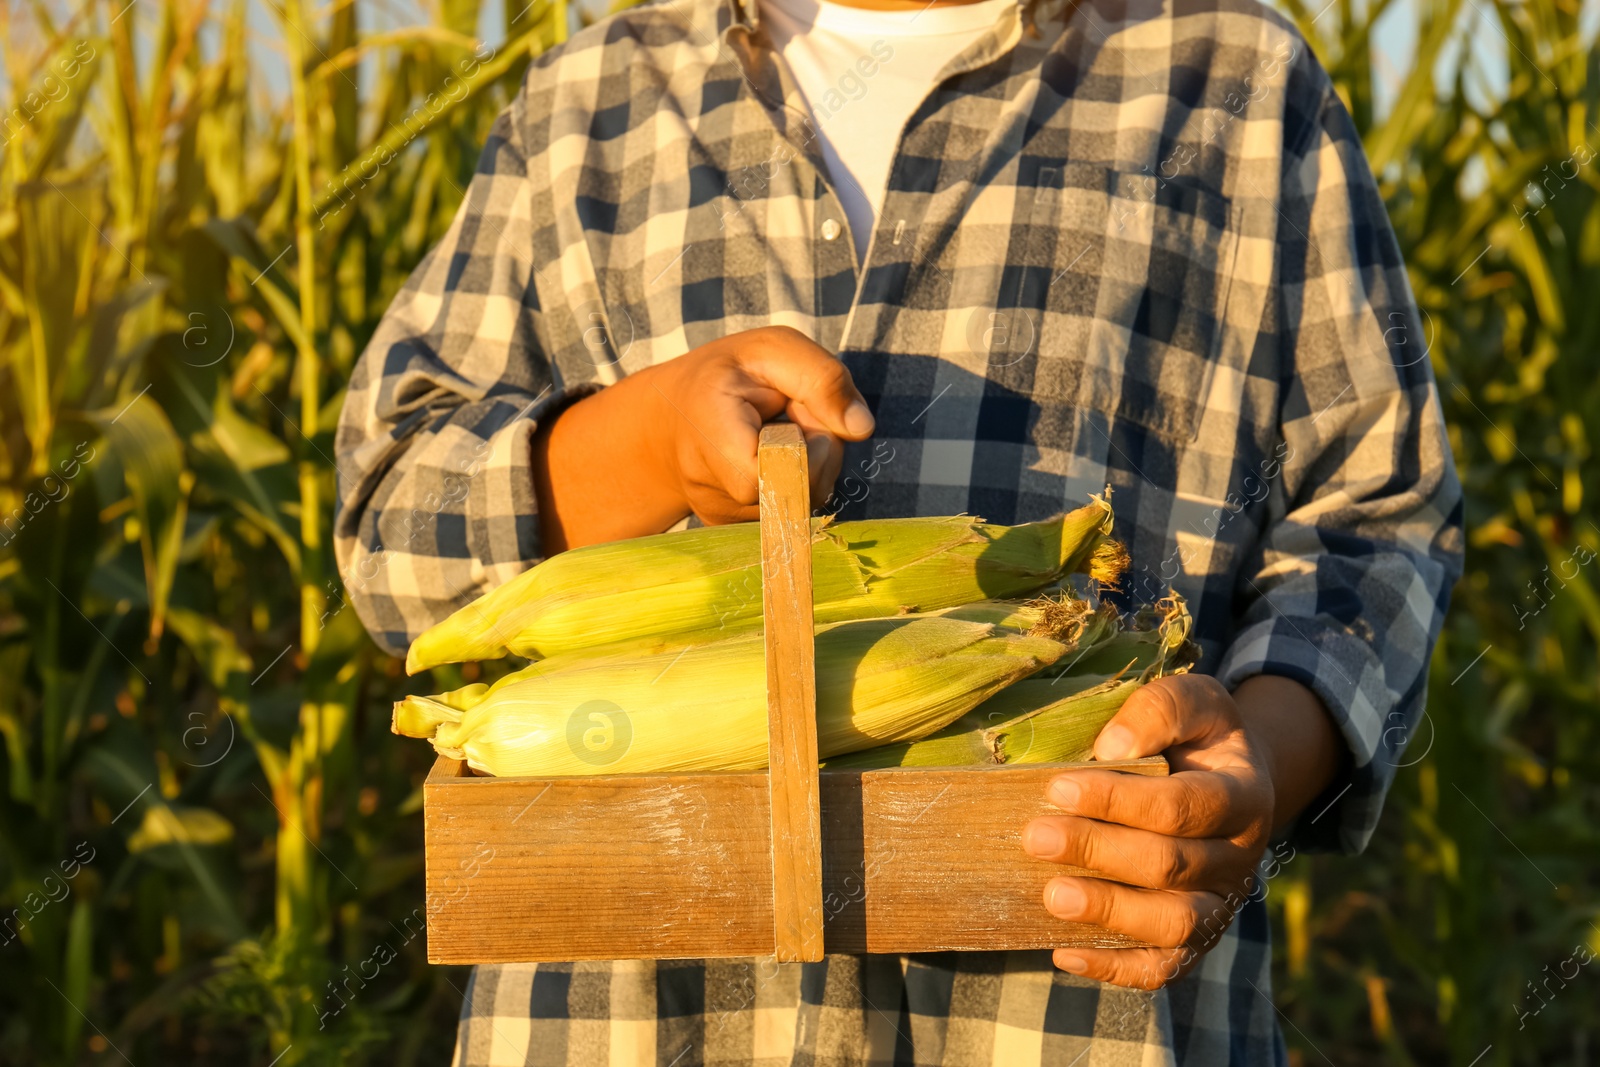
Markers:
830,229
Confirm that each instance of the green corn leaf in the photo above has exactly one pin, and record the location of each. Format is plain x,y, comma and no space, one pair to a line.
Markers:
13,661
132,785
164,825
260,269
58,121
76,972
236,459
152,463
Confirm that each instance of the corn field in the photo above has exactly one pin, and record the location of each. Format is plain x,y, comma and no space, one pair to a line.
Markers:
210,845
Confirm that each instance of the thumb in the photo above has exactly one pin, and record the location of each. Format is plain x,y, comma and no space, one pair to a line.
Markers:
820,392
1167,712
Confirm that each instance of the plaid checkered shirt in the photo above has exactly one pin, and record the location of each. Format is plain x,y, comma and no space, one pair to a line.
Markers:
1140,247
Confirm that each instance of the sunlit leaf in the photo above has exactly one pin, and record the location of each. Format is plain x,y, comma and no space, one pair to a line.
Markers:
152,462
163,825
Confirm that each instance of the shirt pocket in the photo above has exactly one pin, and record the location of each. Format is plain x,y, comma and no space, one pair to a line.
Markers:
1133,319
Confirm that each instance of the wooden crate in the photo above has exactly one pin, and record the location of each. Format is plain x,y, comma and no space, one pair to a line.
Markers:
789,862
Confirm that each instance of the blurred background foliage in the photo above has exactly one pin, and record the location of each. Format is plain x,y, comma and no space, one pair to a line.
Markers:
208,837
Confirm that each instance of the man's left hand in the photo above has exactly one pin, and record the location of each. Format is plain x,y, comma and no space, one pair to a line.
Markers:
1180,851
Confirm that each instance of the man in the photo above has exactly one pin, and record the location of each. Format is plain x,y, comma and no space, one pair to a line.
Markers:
991,257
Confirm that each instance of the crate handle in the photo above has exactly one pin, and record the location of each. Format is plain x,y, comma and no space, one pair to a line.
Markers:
785,504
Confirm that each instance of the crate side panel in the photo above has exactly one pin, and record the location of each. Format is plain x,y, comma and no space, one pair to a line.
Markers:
646,867
940,865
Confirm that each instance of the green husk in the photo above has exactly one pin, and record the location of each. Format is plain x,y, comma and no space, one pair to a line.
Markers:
1030,721
1043,719
705,583
704,706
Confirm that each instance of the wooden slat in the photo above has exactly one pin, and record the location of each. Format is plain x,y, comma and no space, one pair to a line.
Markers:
680,866
614,867
796,828
930,860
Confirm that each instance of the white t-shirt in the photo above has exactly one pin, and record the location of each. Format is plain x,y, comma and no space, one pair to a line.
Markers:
863,73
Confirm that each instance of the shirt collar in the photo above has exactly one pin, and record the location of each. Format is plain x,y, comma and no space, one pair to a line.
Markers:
739,27
744,12
747,14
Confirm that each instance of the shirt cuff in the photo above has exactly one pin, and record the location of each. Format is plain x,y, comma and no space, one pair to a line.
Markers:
1348,677
454,517
501,509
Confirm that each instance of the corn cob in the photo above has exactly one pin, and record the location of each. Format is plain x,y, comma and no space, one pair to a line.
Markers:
705,584
1052,719
1069,621
704,707
1056,726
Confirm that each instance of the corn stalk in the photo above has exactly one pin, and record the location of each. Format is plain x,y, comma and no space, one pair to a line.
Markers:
148,323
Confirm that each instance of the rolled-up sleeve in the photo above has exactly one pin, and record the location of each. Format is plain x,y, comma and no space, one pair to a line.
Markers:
1348,587
436,500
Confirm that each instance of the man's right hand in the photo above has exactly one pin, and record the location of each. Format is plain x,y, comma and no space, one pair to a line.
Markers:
680,437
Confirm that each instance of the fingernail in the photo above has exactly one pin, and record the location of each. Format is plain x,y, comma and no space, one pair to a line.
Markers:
858,419
1069,962
1065,793
1115,742
1043,839
1065,900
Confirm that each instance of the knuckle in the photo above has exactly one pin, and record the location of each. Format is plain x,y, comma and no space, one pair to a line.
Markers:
1133,970
1146,700
1163,702
1091,848
1227,709
1253,842
1195,809
781,335
1093,802
1132,974
830,376
1099,902
1151,978
1120,973
1173,867
1180,925
1165,810
1115,909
